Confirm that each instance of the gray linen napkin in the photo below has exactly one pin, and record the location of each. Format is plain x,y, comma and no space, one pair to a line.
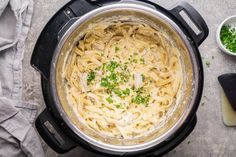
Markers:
17,136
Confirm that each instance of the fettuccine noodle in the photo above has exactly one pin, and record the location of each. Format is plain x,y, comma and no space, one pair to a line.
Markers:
123,78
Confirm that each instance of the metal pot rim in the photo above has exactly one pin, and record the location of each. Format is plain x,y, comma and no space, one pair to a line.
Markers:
110,147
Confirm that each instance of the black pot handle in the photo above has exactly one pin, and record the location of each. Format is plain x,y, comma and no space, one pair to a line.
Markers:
48,39
65,28
195,17
52,134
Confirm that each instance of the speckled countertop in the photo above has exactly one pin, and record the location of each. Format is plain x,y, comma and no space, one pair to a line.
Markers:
210,137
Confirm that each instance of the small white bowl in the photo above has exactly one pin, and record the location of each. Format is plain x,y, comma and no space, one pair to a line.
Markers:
229,21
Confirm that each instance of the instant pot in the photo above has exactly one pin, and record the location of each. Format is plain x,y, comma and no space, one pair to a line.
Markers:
57,125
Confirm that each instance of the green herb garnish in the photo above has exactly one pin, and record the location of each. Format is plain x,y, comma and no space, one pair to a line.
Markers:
142,61
139,90
117,48
112,66
124,76
135,60
109,99
118,106
104,82
91,76
143,77
207,63
113,77
138,99
126,92
121,93
118,92
228,37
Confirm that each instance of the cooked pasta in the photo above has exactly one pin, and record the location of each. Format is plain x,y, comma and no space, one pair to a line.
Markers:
123,78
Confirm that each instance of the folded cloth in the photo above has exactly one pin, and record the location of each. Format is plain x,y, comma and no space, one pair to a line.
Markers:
17,135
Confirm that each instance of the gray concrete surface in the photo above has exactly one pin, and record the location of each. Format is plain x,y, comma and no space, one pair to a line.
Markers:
210,138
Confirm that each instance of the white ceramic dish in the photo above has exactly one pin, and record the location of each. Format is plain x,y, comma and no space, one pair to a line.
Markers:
228,21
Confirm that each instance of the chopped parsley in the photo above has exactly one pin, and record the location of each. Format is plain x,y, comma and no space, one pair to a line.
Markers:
126,92
228,37
138,99
117,48
139,90
115,78
104,82
118,92
124,76
122,93
124,67
142,61
109,99
134,60
112,65
143,77
91,76
118,106
116,74
207,63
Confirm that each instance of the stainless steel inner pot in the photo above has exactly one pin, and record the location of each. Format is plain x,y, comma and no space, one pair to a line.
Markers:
189,65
